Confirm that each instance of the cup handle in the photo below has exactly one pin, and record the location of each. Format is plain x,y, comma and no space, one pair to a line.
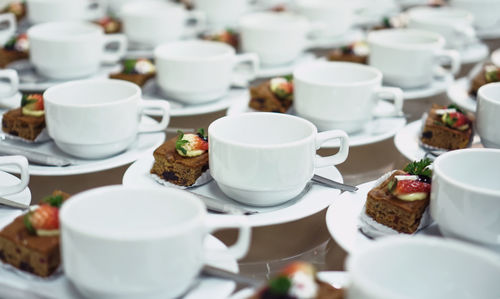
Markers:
251,58
396,94
337,158
200,19
10,18
164,106
22,163
114,56
450,55
95,9
466,33
13,78
316,30
240,248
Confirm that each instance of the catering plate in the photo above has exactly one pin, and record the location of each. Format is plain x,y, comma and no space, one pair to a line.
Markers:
23,197
314,200
374,131
338,279
30,80
9,102
144,143
437,86
474,53
17,284
342,220
407,141
458,93
151,91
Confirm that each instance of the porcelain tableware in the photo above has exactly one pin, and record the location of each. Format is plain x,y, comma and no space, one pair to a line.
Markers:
21,163
488,111
336,16
340,95
197,71
42,11
465,195
264,159
69,50
8,28
410,58
454,24
422,267
153,22
485,11
222,13
150,241
94,119
12,86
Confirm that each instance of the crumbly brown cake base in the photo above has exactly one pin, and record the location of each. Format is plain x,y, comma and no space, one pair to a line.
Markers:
263,99
338,55
25,126
325,291
8,56
176,169
436,134
400,215
139,79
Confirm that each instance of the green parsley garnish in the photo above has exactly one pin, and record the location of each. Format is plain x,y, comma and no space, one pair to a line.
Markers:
288,78
491,76
201,133
179,144
280,285
391,185
386,22
419,167
129,66
28,224
453,106
55,201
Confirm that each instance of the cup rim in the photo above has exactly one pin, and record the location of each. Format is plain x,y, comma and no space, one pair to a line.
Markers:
217,122
125,84
463,185
417,13
481,96
378,38
159,51
298,76
36,31
366,283
129,9
67,224
247,21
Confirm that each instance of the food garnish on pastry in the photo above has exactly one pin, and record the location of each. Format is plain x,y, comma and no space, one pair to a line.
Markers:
275,95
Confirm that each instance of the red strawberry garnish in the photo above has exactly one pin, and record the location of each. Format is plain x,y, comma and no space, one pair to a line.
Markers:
45,217
411,186
33,102
200,144
455,120
298,267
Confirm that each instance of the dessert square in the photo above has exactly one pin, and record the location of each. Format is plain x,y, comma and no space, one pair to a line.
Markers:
137,71
15,49
356,52
488,74
275,95
15,123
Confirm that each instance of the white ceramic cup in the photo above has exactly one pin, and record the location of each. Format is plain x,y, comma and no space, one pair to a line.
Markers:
94,119
123,242
341,95
9,27
42,11
465,195
336,16
197,71
410,58
69,50
265,159
485,11
152,22
222,13
22,163
12,86
422,267
487,115
454,24
278,38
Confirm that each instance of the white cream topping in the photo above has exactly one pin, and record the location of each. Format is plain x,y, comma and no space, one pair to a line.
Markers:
144,66
490,68
303,286
361,49
406,177
445,111
22,45
30,112
412,196
276,82
189,146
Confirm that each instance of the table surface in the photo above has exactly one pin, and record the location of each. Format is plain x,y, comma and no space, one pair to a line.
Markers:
274,246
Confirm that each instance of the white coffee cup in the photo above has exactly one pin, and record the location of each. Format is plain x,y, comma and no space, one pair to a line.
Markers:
485,11
13,82
278,38
22,163
465,195
454,24
94,119
422,267
410,58
68,50
42,11
123,242
9,28
488,111
153,22
265,159
336,16
341,95
222,13
197,71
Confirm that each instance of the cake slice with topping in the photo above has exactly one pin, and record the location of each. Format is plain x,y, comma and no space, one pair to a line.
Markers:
110,25
400,201
490,73
356,52
16,48
227,36
182,159
137,71
28,121
275,95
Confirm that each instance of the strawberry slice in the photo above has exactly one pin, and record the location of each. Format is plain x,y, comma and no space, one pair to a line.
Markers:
299,267
33,102
45,217
455,119
200,144
411,186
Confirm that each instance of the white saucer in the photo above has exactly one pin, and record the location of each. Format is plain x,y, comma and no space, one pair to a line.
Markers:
495,57
313,201
23,197
342,220
488,33
144,143
338,279
17,284
9,102
407,141
458,93
474,53
266,71
437,86
151,91
30,80
374,131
